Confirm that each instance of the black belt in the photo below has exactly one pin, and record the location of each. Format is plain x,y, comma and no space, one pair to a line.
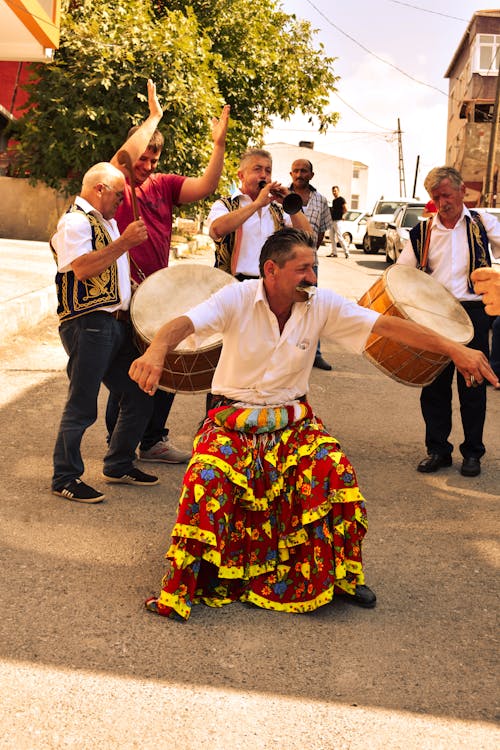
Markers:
244,277
123,315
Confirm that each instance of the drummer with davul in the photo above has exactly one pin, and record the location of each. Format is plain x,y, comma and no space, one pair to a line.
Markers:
450,246
270,510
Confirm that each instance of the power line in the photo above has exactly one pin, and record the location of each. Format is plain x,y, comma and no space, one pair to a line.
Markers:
377,57
46,19
359,113
426,10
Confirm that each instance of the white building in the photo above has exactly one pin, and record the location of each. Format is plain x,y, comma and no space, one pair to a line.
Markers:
350,176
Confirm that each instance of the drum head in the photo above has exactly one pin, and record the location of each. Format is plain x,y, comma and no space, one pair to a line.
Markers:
426,301
171,292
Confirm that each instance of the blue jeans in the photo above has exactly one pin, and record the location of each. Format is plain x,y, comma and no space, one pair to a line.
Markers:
100,350
155,429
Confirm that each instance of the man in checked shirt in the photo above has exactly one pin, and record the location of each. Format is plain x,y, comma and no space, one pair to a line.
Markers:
315,207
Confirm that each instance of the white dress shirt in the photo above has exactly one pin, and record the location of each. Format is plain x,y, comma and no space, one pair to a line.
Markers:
255,231
449,253
258,365
73,238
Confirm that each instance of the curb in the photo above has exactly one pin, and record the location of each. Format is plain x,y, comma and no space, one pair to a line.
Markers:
26,311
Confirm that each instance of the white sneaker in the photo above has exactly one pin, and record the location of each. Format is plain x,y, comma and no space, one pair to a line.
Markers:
164,452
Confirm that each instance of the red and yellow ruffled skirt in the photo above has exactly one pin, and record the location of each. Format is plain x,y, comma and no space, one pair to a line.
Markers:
274,518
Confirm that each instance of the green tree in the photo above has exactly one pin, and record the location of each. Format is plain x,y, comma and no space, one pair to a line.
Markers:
200,55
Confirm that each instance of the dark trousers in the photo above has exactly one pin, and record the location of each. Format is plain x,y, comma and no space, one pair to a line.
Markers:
318,348
495,346
436,399
100,350
155,429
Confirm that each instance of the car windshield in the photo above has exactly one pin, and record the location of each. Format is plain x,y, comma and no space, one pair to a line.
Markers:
411,217
388,208
351,215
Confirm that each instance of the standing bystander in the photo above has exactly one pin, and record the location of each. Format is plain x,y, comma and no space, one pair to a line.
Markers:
337,211
315,207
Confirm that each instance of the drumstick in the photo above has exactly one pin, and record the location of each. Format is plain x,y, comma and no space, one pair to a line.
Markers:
124,160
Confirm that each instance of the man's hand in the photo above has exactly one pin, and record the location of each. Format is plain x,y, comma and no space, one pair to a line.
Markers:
474,366
135,233
155,108
219,126
272,191
147,370
487,282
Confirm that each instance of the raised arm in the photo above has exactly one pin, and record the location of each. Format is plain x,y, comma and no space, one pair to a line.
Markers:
196,188
137,144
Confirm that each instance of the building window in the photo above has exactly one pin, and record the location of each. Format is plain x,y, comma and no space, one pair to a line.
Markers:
354,201
486,54
355,174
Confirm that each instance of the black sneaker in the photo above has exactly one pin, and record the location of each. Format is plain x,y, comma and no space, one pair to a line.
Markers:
133,476
80,492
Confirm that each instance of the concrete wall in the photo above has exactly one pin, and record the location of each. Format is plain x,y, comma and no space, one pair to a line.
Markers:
27,212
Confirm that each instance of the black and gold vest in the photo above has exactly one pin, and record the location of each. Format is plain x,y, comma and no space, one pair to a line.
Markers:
477,240
225,246
74,297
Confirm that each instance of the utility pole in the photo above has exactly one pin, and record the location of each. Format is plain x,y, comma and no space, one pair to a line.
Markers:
416,177
488,183
402,181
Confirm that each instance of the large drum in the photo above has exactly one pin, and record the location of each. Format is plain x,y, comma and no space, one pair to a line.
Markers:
164,296
409,293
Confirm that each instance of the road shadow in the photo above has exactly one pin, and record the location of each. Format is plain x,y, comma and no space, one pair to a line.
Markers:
75,576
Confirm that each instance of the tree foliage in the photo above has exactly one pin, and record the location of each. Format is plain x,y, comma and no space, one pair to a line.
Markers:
202,54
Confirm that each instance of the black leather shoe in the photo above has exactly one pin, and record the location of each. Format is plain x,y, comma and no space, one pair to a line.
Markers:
433,462
471,467
364,597
321,363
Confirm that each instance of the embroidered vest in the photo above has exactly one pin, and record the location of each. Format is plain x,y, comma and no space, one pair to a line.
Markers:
74,297
477,240
226,249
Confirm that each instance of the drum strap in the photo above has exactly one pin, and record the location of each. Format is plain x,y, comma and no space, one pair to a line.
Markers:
140,272
425,252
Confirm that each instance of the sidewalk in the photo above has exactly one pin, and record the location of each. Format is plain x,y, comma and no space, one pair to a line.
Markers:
27,289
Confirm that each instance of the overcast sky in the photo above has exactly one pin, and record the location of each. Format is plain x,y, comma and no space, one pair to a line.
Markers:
417,42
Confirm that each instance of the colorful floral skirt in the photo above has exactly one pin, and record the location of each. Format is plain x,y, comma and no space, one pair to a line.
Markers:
274,518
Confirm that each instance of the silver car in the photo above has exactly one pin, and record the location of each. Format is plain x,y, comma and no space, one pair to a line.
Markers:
398,230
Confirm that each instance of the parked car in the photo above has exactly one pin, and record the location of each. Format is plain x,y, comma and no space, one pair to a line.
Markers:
377,224
494,211
398,231
353,227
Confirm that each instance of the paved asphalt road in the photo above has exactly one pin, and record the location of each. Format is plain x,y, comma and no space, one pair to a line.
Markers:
83,665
